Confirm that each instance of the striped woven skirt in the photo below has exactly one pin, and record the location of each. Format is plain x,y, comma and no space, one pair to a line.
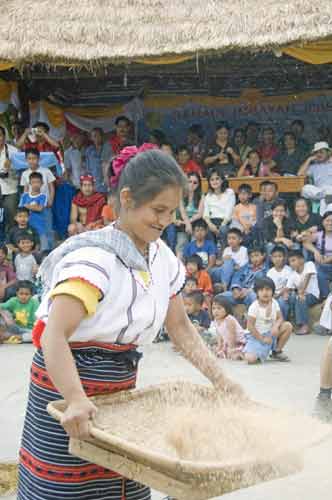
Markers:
47,471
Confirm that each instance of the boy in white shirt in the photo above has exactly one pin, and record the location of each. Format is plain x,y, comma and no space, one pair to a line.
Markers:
234,257
279,274
303,283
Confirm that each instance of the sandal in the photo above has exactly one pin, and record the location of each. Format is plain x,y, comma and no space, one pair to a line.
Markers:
280,356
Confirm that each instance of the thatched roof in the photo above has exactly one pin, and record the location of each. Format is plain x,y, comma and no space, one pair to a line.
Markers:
122,30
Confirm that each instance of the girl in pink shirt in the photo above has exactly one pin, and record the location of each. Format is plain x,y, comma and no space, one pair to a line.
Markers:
228,331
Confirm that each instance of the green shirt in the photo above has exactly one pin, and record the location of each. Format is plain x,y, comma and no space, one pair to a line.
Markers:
23,314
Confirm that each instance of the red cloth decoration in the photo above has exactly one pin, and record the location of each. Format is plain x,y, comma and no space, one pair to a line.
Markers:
125,155
94,205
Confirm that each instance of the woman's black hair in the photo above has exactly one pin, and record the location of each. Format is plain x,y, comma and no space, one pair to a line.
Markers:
279,203
195,259
261,283
197,129
3,130
122,118
224,181
222,124
148,174
223,302
198,191
158,135
327,214
306,201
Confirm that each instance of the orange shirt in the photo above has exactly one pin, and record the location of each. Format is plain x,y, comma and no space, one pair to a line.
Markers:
204,282
108,213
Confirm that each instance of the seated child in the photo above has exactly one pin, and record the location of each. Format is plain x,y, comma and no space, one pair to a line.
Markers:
199,317
277,228
109,213
234,257
7,276
268,332
36,202
191,285
194,267
200,245
185,161
22,226
25,264
18,313
303,285
243,281
244,213
229,333
86,208
279,274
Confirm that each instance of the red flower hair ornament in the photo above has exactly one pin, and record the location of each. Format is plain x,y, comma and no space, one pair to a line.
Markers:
124,156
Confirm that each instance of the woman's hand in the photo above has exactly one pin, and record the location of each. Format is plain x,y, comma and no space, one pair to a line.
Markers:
318,258
75,419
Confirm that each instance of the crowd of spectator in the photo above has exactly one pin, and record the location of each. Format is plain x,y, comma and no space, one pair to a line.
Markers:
268,252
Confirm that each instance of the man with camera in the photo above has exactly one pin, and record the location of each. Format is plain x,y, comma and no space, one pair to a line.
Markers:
318,166
8,181
38,138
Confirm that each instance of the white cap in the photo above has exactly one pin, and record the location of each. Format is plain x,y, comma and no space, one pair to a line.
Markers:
321,145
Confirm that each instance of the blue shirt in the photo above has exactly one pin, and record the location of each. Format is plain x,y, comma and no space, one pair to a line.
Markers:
246,276
37,220
208,248
94,164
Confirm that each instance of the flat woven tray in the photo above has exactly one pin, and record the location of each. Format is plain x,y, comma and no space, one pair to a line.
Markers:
179,478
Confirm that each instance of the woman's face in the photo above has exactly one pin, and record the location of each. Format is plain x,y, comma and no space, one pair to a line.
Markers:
193,183
146,223
215,182
254,160
279,212
289,142
222,134
301,208
327,223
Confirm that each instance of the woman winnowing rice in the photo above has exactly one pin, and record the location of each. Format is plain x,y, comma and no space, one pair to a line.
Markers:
109,291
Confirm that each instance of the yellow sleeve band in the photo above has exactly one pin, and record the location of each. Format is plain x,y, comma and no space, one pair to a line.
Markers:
88,294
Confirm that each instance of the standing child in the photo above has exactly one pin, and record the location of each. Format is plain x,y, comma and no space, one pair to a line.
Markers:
25,264
22,226
201,246
47,188
269,333
36,202
303,285
244,214
279,274
22,310
230,334
234,257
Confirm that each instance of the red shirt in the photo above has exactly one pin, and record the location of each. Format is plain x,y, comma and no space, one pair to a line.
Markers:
116,143
191,166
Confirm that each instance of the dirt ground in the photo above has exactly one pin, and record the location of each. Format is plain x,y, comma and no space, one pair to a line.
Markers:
293,385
